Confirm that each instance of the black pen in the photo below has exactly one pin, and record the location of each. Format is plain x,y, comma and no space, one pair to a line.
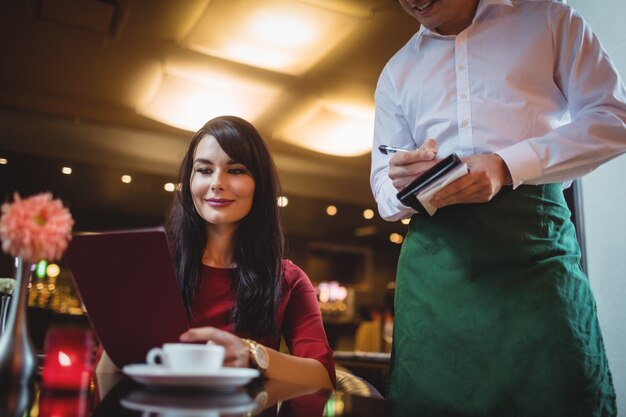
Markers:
386,149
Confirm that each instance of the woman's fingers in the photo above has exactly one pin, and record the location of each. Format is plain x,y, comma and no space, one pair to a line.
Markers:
236,350
199,334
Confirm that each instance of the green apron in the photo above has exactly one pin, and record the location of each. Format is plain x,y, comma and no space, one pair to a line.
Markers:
493,315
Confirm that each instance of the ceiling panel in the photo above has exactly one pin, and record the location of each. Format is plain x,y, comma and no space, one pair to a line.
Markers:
72,93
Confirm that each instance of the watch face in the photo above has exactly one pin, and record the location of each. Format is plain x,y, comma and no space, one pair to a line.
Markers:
261,357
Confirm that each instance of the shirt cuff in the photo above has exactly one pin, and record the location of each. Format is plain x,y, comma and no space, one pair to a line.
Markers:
522,162
405,210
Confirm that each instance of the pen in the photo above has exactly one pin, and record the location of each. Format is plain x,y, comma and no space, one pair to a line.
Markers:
386,149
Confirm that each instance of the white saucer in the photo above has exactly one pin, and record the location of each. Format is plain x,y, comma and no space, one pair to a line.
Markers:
156,375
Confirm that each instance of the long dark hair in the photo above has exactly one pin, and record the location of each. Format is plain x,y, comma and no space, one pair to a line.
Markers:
259,241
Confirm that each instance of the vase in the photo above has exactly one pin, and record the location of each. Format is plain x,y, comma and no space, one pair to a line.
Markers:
18,359
17,401
5,301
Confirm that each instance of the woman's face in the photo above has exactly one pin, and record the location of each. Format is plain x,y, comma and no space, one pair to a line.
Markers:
448,17
222,189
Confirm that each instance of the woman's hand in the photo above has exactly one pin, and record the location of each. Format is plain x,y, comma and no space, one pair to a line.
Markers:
282,367
236,352
404,167
487,174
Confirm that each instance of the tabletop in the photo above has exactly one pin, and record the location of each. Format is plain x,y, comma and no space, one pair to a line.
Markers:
117,395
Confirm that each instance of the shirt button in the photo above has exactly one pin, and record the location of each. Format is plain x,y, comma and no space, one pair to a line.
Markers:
461,67
463,96
464,123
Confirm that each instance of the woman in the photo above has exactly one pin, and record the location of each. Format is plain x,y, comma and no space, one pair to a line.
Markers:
227,244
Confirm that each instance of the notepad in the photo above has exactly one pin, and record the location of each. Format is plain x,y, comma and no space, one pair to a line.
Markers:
419,192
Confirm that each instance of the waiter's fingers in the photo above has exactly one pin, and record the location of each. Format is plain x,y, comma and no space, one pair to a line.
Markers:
480,185
402,175
472,188
456,192
429,145
426,153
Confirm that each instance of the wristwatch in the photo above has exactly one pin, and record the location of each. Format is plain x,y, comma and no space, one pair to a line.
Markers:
259,357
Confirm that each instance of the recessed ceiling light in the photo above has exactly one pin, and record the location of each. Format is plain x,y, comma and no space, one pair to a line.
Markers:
4,161
126,179
396,238
283,201
169,187
368,214
331,210
66,170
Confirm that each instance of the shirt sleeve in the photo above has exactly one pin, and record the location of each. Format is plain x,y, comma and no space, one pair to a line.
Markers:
302,327
390,128
596,100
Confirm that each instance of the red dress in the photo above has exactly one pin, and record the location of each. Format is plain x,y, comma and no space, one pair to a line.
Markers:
298,317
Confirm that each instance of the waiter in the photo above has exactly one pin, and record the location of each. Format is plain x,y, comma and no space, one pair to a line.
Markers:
493,314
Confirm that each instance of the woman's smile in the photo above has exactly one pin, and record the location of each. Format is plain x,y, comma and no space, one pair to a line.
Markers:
219,202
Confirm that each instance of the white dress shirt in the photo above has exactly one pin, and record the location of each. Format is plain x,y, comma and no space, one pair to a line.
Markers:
527,80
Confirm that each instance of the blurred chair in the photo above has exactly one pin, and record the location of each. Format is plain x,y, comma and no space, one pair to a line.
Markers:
353,385
369,337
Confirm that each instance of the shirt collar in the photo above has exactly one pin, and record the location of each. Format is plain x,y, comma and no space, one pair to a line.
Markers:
485,3
482,5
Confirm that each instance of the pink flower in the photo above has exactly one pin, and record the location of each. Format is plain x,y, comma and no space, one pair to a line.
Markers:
35,228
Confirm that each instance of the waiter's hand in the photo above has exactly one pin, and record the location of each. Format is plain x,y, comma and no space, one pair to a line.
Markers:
404,167
487,174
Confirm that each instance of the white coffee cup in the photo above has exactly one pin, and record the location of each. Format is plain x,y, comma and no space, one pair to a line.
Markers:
187,357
